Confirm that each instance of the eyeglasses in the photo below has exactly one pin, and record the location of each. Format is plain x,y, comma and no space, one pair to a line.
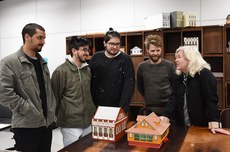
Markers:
86,50
114,44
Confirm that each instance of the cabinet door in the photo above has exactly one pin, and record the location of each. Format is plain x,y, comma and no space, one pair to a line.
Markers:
227,67
228,95
221,104
137,101
137,98
213,40
172,40
170,57
98,43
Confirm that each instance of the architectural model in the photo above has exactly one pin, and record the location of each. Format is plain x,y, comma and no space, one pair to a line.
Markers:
109,123
149,131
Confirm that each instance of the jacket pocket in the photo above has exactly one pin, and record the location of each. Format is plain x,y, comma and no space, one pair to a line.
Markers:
27,79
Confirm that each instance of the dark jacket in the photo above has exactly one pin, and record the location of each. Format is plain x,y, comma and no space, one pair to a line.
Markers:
202,99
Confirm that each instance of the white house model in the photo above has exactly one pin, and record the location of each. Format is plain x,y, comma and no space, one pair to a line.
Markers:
109,123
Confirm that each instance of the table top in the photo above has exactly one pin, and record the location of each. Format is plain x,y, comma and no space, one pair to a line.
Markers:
180,139
87,144
201,139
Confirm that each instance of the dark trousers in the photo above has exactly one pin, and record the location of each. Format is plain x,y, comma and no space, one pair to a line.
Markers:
33,139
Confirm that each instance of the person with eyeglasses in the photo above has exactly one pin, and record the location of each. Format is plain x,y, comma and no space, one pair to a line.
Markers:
113,77
71,83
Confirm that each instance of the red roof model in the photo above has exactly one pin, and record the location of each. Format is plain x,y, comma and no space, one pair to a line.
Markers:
149,131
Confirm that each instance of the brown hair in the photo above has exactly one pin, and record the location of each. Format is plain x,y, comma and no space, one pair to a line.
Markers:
153,39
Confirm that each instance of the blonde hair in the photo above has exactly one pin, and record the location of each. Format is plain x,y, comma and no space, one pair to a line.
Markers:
196,61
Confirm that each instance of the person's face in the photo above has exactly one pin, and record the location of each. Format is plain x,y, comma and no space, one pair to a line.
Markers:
181,62
154,53
82,53
112,46
37,41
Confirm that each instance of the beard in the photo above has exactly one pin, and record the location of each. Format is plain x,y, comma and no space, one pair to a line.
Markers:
81,58
39,48
155,58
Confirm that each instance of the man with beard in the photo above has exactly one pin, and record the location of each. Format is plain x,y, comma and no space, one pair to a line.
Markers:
25,88
154,77
71,85
113,77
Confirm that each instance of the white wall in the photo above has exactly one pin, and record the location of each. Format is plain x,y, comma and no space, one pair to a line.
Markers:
63,18
214,12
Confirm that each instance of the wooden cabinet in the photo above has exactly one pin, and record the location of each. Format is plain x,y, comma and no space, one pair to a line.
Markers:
226,46
212,42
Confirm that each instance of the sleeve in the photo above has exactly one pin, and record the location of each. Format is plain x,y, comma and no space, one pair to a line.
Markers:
9,97
140,83
170,108
58,80
128,85
209,95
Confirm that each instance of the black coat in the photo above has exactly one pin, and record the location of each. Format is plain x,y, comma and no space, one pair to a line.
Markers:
202,99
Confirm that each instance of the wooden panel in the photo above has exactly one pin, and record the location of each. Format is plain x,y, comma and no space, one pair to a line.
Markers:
172,40
228,95
227,68
201,139
213,39
170,57
220,93
137,97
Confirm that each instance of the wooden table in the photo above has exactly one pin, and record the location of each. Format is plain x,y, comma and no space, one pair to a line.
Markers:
200,139
87,144
194,139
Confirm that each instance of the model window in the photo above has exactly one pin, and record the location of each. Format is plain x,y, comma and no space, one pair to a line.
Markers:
130,135
100,131
149,138
136,137
143,137
142,123
105,132
95,131
155,137
110,133
123,126
117,129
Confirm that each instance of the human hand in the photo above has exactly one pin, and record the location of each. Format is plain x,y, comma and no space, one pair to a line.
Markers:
220,130
164,119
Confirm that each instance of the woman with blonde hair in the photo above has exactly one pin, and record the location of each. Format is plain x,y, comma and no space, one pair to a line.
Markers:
194,96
